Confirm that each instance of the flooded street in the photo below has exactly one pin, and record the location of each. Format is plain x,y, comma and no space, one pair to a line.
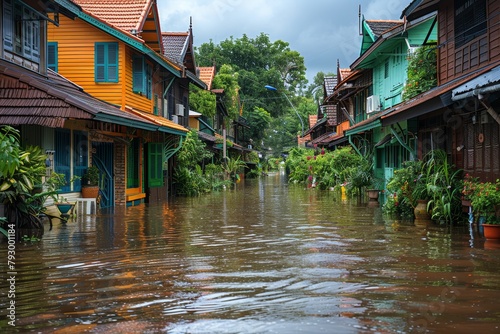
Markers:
263,258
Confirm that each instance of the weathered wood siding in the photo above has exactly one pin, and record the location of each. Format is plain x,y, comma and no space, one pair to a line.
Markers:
481,51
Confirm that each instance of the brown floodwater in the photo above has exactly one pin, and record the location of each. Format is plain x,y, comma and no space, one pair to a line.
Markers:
262,258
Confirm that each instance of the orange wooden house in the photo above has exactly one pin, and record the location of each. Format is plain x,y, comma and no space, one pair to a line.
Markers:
113,49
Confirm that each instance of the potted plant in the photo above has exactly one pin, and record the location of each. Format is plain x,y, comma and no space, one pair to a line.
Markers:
53,185
90,184
485,201
491,227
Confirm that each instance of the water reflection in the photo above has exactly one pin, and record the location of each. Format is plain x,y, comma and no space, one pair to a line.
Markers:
262,258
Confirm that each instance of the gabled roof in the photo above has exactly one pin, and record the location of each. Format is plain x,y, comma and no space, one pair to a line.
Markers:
138,17
179,47
329,84
175,45
123,14
373,29
207,75
387,40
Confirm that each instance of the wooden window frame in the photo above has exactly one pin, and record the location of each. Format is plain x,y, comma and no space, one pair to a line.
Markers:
106,62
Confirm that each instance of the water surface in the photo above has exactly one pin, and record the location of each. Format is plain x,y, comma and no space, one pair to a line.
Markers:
262,258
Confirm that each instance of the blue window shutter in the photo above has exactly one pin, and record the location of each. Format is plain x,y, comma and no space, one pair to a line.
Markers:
106,62
113,62
138,75
100,63
52,56
149,80
8,25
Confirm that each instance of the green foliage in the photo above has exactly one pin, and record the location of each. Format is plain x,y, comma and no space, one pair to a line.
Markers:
259,120
444,184
422,72
20,171
329,169
227,79
91,176
193,151
433,179
484,197
202,101
190,181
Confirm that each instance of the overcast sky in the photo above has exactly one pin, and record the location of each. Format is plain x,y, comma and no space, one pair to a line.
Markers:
322,31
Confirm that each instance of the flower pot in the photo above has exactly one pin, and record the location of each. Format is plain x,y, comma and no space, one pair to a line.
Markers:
373,194
90,191
64,208
420,210
491,231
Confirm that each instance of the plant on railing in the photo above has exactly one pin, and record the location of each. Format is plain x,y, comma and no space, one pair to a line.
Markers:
422,71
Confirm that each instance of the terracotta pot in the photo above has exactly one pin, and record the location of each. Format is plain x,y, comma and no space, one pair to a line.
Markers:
90,191
420,210
373,194
491,231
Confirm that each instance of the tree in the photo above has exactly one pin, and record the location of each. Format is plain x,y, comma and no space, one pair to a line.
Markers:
227,79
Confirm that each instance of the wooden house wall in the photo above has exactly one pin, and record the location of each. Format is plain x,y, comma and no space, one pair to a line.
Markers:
455,62
76,40
135,100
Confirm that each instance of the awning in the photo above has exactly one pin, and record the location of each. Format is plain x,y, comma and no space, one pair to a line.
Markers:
482,84
364,126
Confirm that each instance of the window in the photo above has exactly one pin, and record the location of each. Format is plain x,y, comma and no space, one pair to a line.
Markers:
52,56
106,62
470,20
21,30
141,75
386,69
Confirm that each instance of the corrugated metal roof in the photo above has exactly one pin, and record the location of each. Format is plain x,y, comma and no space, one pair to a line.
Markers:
486,79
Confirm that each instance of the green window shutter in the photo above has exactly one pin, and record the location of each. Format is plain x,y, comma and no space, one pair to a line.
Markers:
106,62
52,56
133,164
138,75
155,162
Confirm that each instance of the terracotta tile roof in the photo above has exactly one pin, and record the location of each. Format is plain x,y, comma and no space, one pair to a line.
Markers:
312,120
175,45
207,75
344,73
378,27
123,14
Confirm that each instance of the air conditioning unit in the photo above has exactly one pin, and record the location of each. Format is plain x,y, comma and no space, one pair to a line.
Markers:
412,50
372,104
175,119
179,109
